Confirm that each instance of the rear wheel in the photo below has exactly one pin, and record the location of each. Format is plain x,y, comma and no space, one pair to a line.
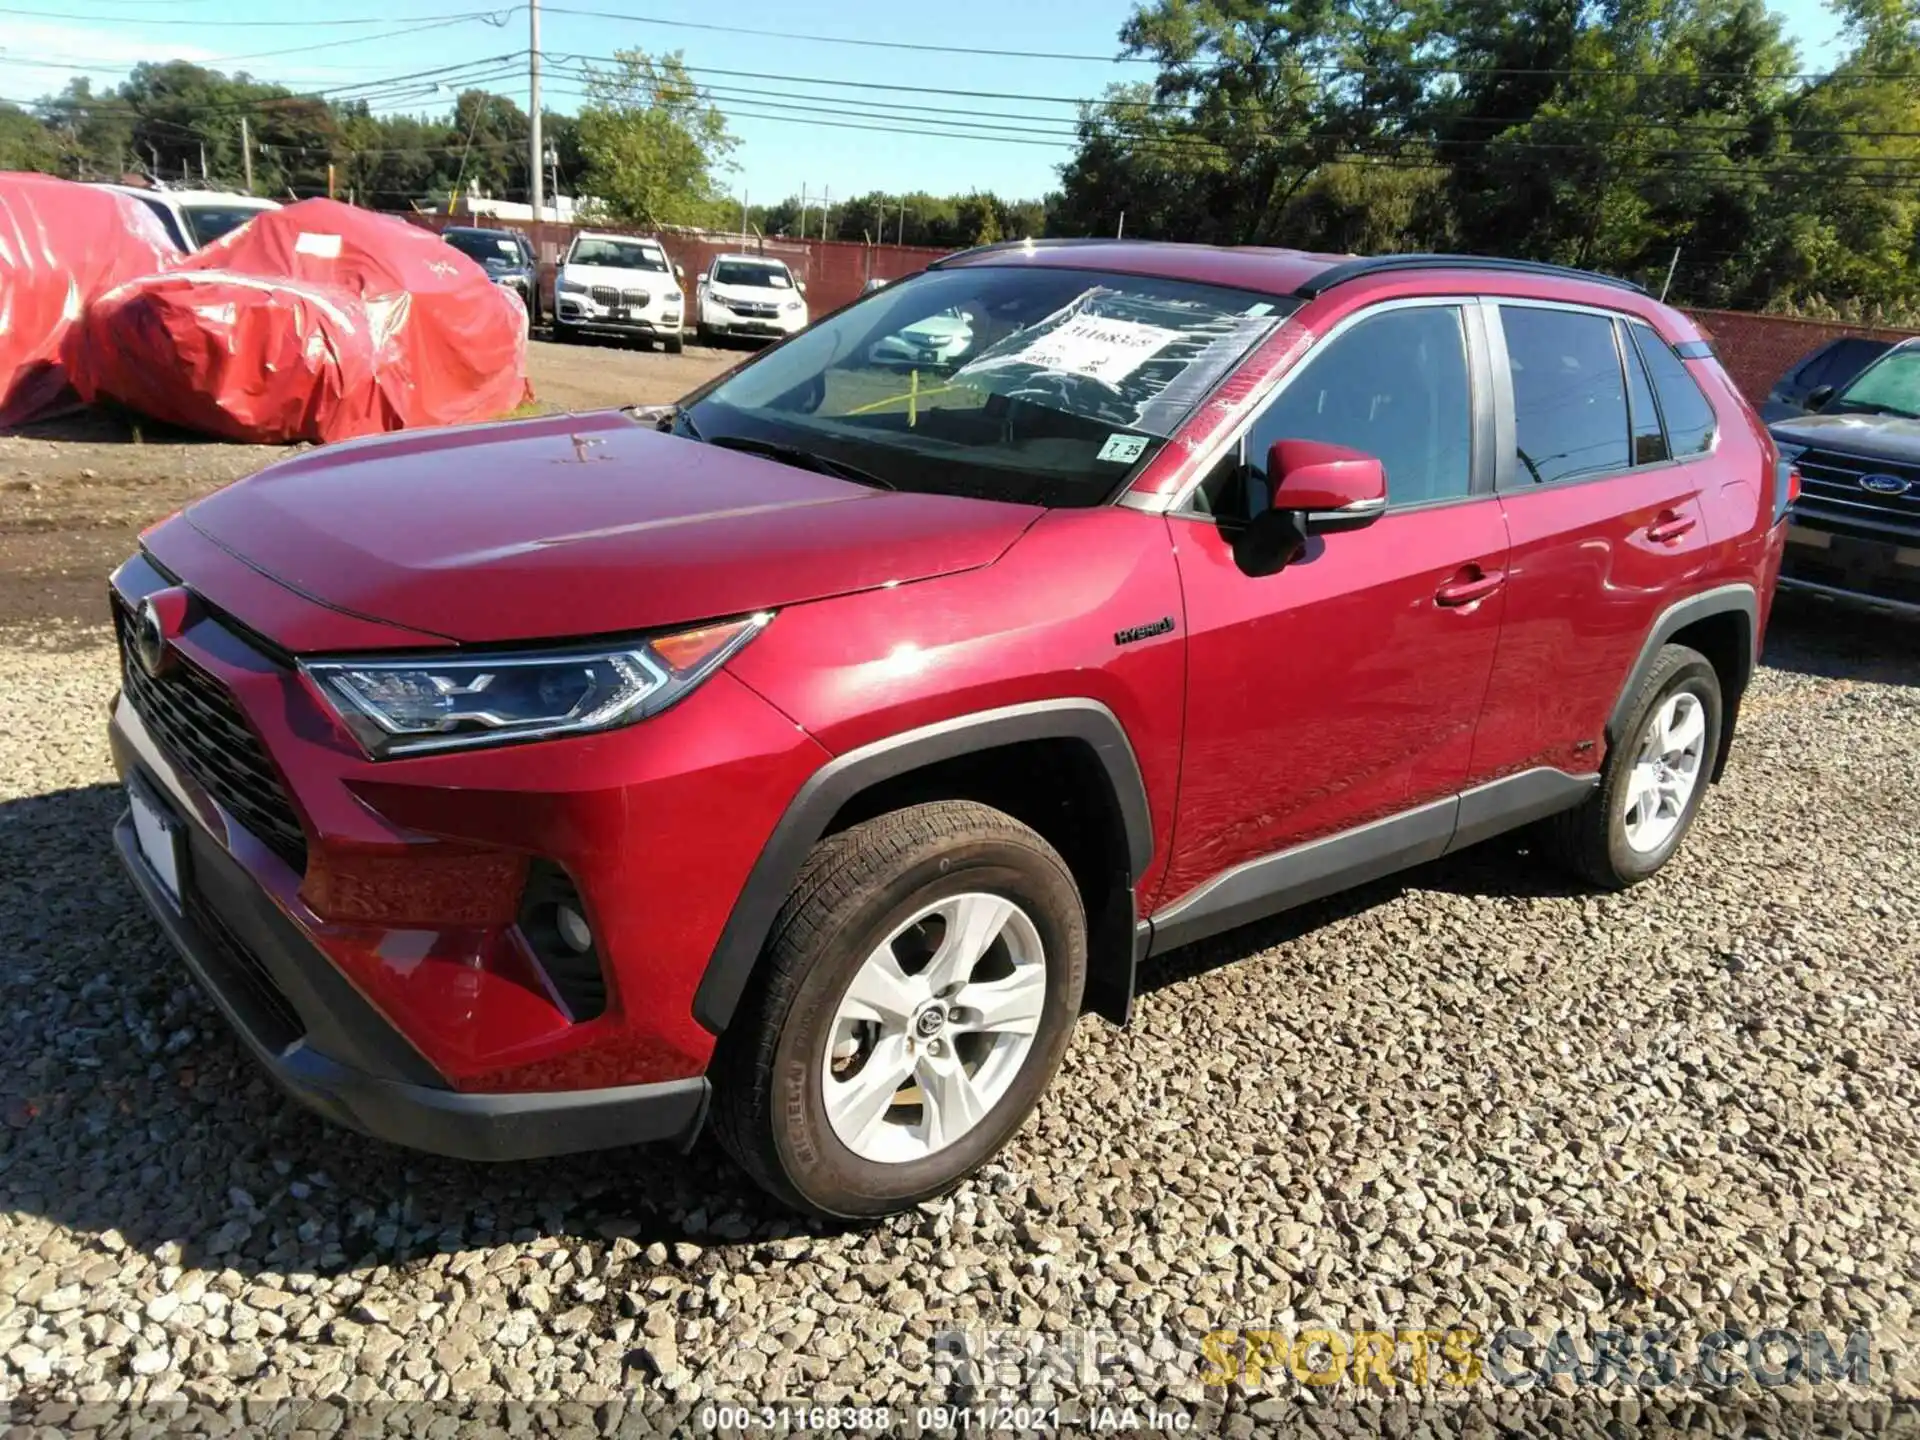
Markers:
674,343
1655,777
917,993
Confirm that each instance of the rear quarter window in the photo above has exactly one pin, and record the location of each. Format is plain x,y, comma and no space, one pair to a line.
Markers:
1689,415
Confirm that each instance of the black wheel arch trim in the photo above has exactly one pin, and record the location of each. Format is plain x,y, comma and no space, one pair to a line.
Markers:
845,776
1735,599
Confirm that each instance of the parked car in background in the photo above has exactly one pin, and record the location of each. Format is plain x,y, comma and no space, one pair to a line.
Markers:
750,295
618,285
807,759
194,219
1856,525
1816,376
936,342
507,257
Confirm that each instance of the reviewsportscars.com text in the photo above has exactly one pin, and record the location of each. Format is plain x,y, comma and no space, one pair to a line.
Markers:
998,1362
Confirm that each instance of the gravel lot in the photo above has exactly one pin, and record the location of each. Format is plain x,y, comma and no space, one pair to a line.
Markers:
1473,1096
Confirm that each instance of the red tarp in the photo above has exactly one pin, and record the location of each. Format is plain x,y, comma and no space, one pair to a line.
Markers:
61,244
318,322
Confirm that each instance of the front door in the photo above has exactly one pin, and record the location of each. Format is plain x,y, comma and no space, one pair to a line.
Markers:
1346,688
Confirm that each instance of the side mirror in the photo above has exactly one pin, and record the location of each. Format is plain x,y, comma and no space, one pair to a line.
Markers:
1818,397
1331,487
801,286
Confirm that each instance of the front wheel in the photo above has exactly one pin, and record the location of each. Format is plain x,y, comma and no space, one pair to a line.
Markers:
916,995
1655,776
673,344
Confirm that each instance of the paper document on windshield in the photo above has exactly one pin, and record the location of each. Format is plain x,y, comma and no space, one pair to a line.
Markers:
1095,346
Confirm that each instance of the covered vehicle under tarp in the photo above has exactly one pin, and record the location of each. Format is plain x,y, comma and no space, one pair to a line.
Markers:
315,322
61,245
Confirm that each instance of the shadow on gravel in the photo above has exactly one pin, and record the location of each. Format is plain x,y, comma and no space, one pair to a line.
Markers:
108,424
127,1106
1806,636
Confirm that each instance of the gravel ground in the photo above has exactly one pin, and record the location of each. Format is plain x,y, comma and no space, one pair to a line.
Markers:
1474,1096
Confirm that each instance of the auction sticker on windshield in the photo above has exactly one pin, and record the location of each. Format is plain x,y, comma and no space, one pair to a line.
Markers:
1095,346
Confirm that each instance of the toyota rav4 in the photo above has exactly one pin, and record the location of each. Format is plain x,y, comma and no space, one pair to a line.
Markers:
805,759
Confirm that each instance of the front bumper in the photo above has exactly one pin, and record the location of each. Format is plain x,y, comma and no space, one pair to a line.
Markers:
1864,570
718,320
384,912
325,1045
580,313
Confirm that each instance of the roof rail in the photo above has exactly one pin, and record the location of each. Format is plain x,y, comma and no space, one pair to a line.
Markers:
1050,243
1387,264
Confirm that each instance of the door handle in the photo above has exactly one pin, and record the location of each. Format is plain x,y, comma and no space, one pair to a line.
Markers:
1469,585
1670,525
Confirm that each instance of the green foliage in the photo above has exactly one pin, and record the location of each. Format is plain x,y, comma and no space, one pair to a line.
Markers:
654,144
1601,133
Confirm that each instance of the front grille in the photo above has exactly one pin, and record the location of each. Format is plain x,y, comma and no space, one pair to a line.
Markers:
1830,490
605,295
240,976
194,720
757,309
633,297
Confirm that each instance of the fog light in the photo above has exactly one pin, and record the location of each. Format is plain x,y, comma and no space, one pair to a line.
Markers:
574,932
554,922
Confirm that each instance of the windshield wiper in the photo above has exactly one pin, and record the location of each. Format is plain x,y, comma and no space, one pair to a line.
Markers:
800,458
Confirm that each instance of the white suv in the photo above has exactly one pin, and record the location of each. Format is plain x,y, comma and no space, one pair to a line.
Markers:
194,219
750,295
618,285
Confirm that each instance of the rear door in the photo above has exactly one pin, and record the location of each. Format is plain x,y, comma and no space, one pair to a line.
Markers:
1344,689
1607,525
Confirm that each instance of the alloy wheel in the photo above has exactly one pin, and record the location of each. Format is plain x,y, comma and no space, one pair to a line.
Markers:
934,1027
1666,771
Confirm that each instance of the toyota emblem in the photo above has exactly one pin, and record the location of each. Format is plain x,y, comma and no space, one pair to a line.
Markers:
161,617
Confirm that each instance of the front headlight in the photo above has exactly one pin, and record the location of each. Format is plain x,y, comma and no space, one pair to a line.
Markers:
406,705
672,297
579,287
795,305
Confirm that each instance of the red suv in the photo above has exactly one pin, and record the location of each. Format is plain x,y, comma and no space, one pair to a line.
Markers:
808,758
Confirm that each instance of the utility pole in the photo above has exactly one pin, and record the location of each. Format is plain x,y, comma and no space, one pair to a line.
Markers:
1672,265
203,162
246,152
803,209
743,217
1120,230
826,204
536,150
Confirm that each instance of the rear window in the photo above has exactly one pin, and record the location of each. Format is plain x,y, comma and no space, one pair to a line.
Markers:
209,222
1569,398
1689,417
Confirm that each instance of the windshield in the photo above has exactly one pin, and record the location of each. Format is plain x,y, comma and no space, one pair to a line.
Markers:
209,222
752,272
616,255
1039,385
1891,386
487,248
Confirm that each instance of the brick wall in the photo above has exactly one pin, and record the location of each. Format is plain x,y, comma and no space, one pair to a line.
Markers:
1758,349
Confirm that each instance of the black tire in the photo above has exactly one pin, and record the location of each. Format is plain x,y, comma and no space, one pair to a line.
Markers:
673,344
769,1109
563,333
1592,839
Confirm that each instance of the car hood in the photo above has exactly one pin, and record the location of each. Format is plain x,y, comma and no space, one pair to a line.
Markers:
762,293
1871,437
581,525
624,279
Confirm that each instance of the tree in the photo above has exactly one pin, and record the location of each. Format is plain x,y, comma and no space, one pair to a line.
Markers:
653,143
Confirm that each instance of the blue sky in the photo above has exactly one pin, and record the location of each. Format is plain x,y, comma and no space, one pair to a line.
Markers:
779,151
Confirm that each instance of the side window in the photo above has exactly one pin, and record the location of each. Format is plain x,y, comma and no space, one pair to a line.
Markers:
167,222
1394,386
1690,419
1569,398
1649,440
